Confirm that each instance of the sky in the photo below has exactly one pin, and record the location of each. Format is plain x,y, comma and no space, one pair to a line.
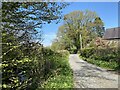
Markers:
107,11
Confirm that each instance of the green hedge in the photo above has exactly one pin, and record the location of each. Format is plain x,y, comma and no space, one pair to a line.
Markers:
87,52
106,54
104,57
28,68
58,71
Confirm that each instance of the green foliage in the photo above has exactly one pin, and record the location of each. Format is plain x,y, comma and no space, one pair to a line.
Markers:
24,59
19,67
104,57
60,81
108,65
29,66
63,52
24,19
87,52
99,27
79,29
59,72
33,70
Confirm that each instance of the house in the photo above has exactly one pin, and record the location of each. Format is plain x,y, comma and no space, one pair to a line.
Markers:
112,34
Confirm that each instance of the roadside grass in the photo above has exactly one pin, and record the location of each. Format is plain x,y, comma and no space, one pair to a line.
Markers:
112,65
59,73
59,81
103,57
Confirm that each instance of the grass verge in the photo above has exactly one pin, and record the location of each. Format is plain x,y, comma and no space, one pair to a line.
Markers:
60,74
113,65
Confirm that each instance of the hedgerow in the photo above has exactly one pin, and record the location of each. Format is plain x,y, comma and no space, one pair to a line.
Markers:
104,57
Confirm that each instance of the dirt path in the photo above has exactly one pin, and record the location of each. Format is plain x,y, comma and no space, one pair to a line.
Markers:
90,76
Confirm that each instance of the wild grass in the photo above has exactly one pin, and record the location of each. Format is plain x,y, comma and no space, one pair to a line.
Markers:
59,73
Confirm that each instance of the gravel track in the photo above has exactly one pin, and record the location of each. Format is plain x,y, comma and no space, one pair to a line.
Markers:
87,75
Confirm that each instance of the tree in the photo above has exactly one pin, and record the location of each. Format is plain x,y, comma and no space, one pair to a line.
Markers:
62,41
99,27
23,62
79,29
24,19
77,23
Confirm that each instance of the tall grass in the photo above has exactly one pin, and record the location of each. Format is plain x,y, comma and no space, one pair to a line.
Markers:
59,73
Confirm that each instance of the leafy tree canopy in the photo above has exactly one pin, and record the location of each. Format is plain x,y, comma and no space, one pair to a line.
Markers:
84,23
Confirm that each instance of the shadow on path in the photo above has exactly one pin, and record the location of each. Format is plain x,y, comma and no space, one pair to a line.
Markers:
90,76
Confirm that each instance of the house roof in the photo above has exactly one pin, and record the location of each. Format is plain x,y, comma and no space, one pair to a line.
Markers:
112,33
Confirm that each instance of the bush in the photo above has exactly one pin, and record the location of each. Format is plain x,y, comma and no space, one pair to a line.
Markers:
104,57
58,72
63,52
87,52
22,68
106,54
26,67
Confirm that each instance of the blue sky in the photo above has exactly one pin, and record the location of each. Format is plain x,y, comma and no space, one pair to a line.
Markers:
108,11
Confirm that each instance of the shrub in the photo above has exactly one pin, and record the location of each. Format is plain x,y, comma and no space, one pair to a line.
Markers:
63,52
27,67
104,57
106,54
58,72
87,52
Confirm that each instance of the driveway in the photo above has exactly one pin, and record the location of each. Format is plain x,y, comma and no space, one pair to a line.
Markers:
87,75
